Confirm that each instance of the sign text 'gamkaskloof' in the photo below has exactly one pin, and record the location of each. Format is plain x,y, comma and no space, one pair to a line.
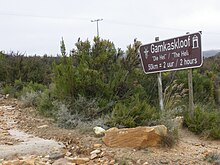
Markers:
172,54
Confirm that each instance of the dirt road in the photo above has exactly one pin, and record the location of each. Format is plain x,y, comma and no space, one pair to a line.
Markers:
30,138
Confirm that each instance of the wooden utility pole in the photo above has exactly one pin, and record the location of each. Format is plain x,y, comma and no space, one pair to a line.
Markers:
160,86
97,23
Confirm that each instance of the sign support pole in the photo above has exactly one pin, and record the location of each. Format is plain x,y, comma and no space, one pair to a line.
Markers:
173,54
160,91
160,86
190,85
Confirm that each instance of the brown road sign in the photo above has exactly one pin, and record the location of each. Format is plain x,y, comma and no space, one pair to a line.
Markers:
173,54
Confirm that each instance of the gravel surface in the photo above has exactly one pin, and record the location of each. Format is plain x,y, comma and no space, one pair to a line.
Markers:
26,136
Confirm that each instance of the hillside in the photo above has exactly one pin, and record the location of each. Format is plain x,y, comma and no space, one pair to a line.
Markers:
209,53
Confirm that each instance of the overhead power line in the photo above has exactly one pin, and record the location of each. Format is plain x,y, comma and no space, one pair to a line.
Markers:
42,16
106,21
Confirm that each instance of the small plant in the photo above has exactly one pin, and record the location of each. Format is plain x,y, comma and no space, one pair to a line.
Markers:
8,89
31,86
170,139
46,105
213,157
172,119
125,161
173,96
29,99
65,119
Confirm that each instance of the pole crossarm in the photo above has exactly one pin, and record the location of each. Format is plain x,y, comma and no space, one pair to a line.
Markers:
97,22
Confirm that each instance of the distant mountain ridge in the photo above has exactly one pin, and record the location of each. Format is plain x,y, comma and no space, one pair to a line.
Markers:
210,53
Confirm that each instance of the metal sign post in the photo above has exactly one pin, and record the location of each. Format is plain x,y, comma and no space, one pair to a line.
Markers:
190,86
160,91
160,86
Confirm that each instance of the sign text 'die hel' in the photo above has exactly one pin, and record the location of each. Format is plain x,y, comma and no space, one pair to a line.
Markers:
172,54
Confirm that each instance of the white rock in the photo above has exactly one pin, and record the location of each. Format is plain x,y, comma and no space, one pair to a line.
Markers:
99,131
43,126
97,145
78,160
95,152
93,156
7,96
68,153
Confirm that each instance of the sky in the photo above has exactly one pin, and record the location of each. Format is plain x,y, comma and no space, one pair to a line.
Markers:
37,26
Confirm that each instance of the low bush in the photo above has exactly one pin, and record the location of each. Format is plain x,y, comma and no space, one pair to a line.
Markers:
46,105
65,119
30,99
88,109
8,89
14,89
204,121
20,88
172,119
31,86
30,93
170,139
82,113
134,113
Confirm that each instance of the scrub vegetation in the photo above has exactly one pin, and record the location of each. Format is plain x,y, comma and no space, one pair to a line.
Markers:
95,81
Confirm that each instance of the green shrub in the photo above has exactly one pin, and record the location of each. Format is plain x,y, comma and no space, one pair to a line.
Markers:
29,99
134,113
18,85
82,113
30,93
31,86
46,105
204,121
203,85
65,119
17,66
88,109
8,89
13,89
122,115
172,119
20,88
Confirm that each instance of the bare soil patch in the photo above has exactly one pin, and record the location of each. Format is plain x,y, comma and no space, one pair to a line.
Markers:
190,150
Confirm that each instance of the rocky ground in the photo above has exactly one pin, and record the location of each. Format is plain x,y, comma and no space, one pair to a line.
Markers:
28,139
